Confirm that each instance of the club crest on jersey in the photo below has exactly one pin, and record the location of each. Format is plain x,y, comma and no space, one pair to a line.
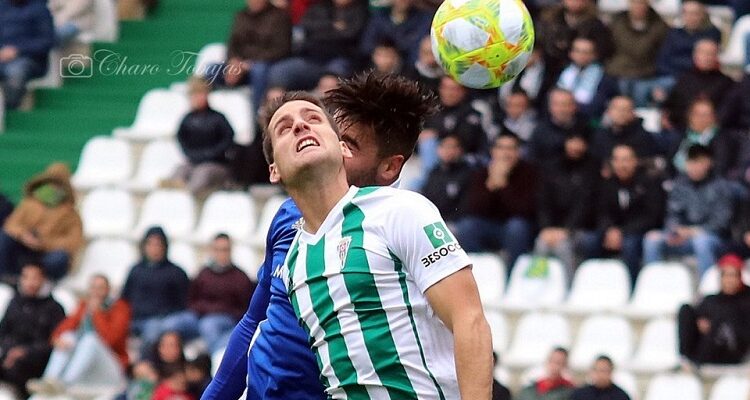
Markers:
343,248
297,225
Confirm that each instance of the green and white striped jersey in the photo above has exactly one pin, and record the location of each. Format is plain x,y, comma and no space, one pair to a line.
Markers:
358,286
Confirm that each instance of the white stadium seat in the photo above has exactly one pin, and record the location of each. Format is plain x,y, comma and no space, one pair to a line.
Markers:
66,298
173,210
651,118
232,213
213,53
500,331
107,212
612,6
112,258
52,79
6,295
536,335
183,254
106,24
657,350
711,281
731,387
674,387
627,382
535,282
489,272
159,161
608,335
246,259
599,285
502,375
104,161
668,9
266,218
661,289
159,115
734,54
235,105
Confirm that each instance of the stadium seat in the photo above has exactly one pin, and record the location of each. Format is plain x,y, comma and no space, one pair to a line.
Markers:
674,387
612,6
500,331
235,105
730,388
711,284
112,258
107,212
627,382
159,115
216,360
6,295
266,218
598,285
66,298
246,259
668,9
173,210
657,350
489,272
53,78
536,335
159,161
734,53
183,254
651,119
502,375
661,289
104,161
106,24
230,212
535,282
608,335
213,53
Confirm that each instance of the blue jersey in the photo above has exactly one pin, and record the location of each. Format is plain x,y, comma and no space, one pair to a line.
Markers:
268,352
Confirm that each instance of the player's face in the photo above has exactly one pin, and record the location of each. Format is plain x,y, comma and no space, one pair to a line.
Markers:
362,167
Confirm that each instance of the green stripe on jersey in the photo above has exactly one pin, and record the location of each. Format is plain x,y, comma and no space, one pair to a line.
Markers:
363,291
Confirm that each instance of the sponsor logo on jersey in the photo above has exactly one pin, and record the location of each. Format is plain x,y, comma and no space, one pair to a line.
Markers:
438,234
436,255
279,271
343,248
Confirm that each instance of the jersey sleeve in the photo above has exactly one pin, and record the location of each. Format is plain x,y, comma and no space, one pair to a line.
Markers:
420,239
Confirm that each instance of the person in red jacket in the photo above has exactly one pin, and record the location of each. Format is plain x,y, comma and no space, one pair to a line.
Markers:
89,345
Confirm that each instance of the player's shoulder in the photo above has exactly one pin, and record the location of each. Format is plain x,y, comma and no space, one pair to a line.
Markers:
286,217
387,199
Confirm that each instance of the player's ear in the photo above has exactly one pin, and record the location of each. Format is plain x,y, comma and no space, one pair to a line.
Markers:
345,149
390,167
273,175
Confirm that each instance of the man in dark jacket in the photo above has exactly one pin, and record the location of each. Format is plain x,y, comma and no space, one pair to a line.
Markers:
446,184
204,136
156,289
624,128
548,139
402,24
717,330
601,386
26,328
27,35
630,204
741,231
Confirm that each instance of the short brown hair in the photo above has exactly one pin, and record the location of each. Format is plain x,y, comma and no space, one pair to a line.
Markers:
274,106
394,107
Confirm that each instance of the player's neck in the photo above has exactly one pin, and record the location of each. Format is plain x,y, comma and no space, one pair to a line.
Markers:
316,199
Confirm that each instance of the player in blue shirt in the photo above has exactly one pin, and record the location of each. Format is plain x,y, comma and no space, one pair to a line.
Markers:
380,118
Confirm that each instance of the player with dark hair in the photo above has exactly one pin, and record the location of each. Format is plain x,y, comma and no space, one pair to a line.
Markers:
380,118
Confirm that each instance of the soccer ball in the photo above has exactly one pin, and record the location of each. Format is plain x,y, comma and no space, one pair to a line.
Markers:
482,43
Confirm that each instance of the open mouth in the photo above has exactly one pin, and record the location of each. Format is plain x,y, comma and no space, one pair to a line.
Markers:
305,143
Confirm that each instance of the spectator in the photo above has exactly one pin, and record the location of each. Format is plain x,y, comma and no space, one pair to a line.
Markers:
499,391
426,69
26,327
560,24
586,79
198,374
699,209
520,117
567,203
675,54
166,354
638,35
630,204
741,231
26,38
6,208
386,58
535,80
172,385
155,288
554,385
332,30
601,386
548,139
402,24
205,136
72,17
447,183
328,81
261,35
702,129
45,226
217,299
498,209
735,111
89,346
716,331
705,80
624,127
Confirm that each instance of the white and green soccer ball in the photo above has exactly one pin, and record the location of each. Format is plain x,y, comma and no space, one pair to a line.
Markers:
482,43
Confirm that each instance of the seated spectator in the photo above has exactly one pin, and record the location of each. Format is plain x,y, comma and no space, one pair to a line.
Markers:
535,80
699,209
26,328
71,18
735,111
566,205
172,384
716,330
198,374
499,207
89,346
548,139
638,35
332,30
217,299
705,80
520,117
601,386
623,127
45,227
26,38
385,58
155,288
499,391
205,136
586,79
403,24
447,183
166,354
426,69
675,54
741,232
554,385
630,204
261,35
328,81
6,208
